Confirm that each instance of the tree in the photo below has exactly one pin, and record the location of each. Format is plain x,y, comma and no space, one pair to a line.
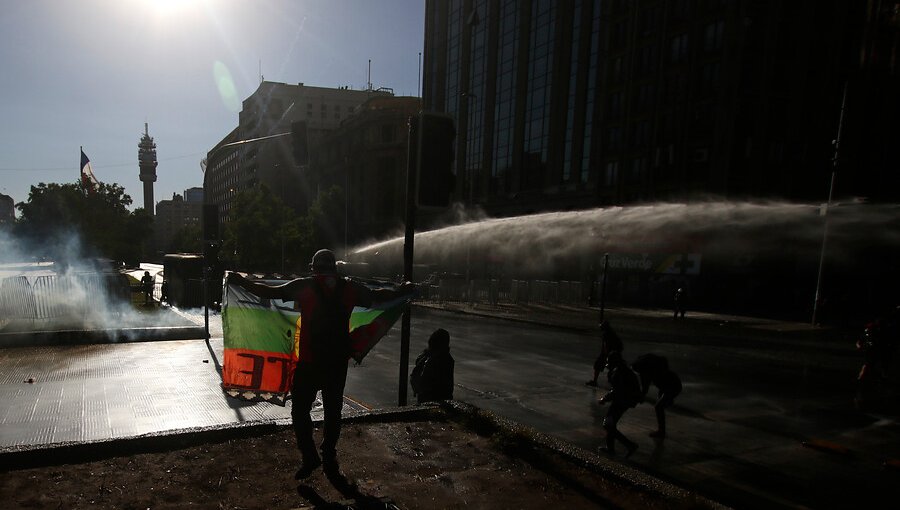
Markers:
326,217
100,219
186,240
265,235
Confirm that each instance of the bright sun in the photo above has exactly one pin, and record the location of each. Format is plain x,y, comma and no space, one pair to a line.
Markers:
167,8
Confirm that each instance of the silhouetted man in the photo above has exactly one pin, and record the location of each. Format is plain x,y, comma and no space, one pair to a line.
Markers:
326,301
147,287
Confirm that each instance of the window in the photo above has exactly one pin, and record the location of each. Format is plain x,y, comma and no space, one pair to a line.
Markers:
615,105
679,48
614,138
388,133
713,35
611,173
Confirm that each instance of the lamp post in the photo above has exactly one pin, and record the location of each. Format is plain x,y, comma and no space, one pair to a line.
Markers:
834,166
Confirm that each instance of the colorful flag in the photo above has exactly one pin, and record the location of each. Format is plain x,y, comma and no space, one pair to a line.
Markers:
88,181
261,340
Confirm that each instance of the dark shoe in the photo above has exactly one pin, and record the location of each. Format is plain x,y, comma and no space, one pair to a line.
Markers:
306,468
591,383
607,450
630,449
330,466
659,434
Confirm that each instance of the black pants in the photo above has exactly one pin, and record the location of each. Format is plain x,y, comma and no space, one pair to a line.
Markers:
616,410
665,399
308,379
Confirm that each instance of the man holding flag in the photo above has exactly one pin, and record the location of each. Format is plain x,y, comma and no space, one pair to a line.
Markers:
326,301
88,181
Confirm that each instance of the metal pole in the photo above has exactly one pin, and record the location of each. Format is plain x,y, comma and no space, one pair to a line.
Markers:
205,291
408,244
603,286
834,166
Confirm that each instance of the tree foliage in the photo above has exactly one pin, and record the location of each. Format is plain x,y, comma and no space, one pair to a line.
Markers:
262,229
100,217
263,234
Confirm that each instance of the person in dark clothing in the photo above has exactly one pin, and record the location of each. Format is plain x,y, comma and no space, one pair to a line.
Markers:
654,369
609,342
625,394
147,287
679,303
325,301
432,377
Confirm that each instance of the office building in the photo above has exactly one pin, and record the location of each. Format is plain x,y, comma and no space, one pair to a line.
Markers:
367,154
584,103
179,216
269,112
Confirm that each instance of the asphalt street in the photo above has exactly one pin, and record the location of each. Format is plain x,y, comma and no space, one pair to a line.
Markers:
754,393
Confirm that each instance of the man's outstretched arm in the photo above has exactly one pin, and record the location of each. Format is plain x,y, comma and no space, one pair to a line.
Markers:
286,291
367,297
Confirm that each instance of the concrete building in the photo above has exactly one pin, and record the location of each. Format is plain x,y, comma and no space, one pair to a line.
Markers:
270,111
583,103
7,209
367,154
175,215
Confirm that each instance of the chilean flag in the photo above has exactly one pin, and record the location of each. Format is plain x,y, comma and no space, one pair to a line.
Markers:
88,181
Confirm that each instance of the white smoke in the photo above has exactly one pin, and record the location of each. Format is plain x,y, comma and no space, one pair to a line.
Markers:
51,284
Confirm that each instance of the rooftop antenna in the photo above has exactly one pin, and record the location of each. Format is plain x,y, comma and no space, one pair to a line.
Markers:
260,72
369,80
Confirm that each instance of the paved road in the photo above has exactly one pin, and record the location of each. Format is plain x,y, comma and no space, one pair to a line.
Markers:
752,396
753,393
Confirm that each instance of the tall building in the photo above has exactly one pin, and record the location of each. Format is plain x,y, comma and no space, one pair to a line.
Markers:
7,209
270,111
147,162
182,212
582,103
367,155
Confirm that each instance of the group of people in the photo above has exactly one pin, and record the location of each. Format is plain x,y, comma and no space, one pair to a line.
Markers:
630,385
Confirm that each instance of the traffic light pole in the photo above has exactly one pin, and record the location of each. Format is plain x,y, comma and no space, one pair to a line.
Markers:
413,159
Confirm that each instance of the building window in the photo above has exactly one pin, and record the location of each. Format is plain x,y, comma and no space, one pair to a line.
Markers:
388,133
679,48
611,173
614,138
615,105
713,35
709,78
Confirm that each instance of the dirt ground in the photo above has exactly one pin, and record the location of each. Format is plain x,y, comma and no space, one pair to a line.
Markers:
424,463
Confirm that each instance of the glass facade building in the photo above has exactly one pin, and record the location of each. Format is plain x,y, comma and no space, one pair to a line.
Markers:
581,103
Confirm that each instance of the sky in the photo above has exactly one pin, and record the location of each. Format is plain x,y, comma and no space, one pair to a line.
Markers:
90,73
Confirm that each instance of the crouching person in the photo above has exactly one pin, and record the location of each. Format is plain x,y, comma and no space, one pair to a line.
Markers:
432,377
625,394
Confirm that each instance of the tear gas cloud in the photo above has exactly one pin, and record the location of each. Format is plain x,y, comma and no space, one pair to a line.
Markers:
541,241
52,284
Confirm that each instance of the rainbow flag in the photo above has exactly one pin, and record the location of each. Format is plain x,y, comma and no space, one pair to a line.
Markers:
262,340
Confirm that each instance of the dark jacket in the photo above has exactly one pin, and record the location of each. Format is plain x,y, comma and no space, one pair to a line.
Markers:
432,378
626,389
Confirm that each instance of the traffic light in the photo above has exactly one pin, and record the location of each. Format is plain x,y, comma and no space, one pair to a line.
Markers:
210,222
299,143
431,151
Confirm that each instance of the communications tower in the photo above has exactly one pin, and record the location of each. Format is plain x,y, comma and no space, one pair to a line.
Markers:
147,161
